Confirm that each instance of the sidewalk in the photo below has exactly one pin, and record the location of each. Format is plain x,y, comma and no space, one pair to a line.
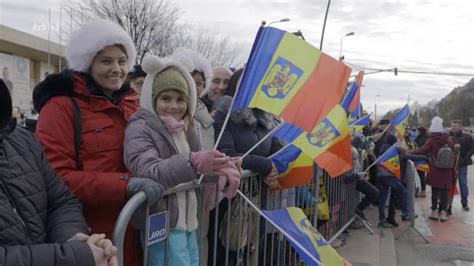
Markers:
364,249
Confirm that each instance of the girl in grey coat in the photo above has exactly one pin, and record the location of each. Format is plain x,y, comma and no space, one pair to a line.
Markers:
161,143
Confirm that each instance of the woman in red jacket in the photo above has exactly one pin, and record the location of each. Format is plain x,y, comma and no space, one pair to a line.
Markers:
100,55
440,179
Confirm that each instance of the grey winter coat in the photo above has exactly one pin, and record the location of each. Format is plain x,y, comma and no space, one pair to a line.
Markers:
38,214
150,152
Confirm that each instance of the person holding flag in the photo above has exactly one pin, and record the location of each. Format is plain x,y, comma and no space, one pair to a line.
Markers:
388,177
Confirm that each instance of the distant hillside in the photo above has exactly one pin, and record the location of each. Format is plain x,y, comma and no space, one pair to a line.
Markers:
458,104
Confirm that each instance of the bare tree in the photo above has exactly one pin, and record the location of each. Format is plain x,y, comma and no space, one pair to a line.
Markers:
153,26
220,50
150,23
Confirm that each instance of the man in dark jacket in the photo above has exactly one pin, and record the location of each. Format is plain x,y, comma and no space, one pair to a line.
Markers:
465,141
41,222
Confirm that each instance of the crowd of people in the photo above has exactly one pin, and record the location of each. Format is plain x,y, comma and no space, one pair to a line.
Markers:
108,129
447,151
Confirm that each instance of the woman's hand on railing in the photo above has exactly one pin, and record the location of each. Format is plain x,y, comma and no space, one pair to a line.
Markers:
272,178
153,190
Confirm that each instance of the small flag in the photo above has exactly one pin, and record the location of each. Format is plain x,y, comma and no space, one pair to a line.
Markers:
400,122
295,167
390,160
358,125
305,239
422,166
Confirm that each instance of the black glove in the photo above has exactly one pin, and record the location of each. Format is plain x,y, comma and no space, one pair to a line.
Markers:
152,189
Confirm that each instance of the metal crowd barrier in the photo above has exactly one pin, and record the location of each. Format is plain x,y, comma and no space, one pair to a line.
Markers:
261,244
410,173
343,199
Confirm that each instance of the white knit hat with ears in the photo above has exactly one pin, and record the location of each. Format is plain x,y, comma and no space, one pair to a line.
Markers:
87,41
153,65
436,125
201,63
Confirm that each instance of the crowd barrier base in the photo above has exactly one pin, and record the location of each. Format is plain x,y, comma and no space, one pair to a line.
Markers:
410,178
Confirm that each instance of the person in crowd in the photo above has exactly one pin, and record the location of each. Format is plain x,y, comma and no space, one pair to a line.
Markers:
440,179
41,220
244,129
7,79
202,76
465,141
386,181
219,83
162,144
136,78
420,140
85,144
370,192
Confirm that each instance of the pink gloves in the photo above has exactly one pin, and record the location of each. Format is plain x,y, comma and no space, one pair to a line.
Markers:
209,162
215,163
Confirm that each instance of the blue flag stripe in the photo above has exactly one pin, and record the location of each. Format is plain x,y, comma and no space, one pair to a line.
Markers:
255,72
283,219
404,112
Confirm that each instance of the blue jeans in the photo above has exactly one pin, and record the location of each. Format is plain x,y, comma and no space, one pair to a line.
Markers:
384,183
462,177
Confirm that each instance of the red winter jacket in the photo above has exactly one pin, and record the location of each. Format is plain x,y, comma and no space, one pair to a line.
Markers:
437,177
99,185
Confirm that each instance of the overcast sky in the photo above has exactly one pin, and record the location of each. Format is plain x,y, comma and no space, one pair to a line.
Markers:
421,35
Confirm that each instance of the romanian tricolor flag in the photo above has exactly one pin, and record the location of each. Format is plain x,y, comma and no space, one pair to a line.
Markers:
328,143
355,104
288,77
422,166
295,167
305,239
400,122
390,160
358,125
337,159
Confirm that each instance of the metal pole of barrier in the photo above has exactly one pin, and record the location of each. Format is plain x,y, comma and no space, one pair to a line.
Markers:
168,229
216,216
122,222
410,178
229,209
296,243
147,232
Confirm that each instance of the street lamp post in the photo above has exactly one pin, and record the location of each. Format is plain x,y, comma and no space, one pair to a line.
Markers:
278,21
341,58
375,106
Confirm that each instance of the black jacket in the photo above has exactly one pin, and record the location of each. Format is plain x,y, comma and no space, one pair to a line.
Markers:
465,140
244,129
38,214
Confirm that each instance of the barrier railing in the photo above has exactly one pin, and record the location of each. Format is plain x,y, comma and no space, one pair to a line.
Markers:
235,234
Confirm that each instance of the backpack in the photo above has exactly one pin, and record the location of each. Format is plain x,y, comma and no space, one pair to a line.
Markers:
445,157
239,230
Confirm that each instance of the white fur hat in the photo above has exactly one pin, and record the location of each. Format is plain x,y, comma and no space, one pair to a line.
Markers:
436,125
153,65
85,42
201,63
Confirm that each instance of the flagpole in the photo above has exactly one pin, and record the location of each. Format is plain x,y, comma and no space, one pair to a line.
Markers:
226,121
297,244
284,147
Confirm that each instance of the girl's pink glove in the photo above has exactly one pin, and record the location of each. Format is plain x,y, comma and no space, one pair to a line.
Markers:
209,162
